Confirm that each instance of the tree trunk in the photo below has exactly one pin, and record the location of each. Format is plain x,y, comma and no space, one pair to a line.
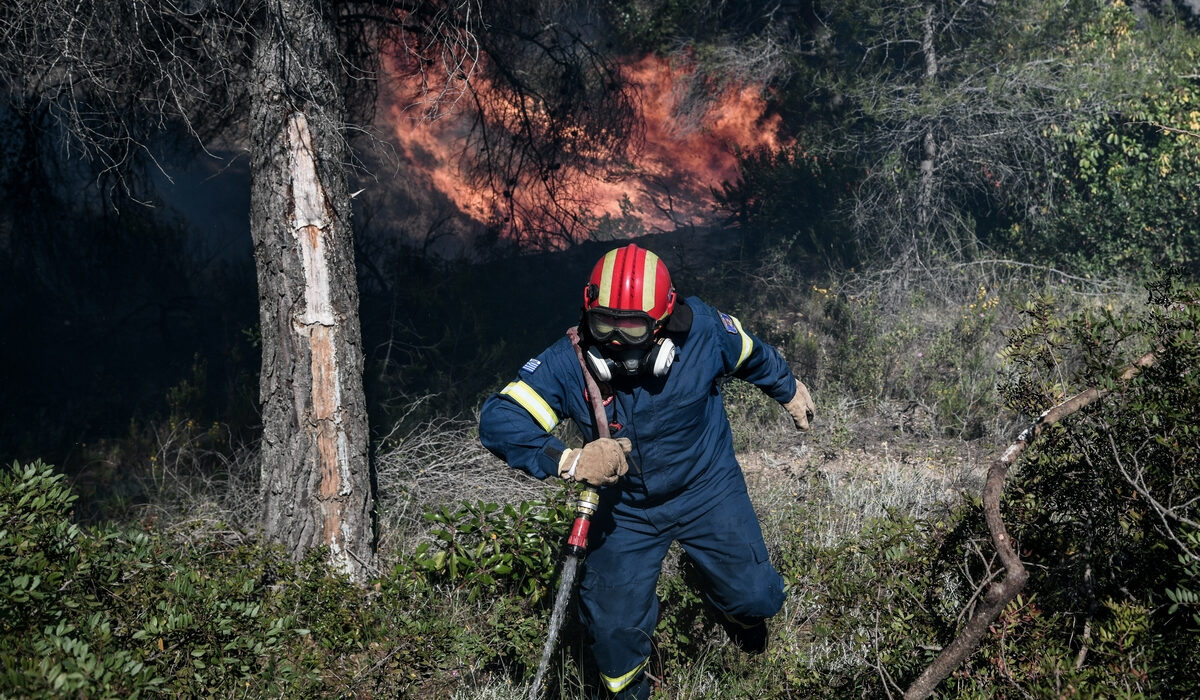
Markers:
316,485
928,144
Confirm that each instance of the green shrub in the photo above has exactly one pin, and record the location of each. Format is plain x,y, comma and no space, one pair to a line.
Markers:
106,612
897,345
859,356
789,198
489,548
686,624
962,369
1099,507
1185,596
1124,198
751,415
56,640
38,546
496,564
112,612
1100,504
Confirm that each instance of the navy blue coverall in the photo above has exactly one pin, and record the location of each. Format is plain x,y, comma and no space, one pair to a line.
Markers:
684,483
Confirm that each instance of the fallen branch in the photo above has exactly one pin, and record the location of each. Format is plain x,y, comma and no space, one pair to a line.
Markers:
1001,593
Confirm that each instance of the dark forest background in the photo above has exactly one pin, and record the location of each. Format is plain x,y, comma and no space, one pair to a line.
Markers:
122,311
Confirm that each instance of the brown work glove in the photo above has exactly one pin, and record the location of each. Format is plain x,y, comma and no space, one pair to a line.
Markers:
801,407
599,463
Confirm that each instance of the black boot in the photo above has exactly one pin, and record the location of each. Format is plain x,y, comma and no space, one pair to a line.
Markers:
750,637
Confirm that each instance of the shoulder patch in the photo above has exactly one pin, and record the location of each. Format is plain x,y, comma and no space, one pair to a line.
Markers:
728,322
531,365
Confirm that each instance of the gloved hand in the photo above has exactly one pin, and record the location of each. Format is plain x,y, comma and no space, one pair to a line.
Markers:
599,463
801,407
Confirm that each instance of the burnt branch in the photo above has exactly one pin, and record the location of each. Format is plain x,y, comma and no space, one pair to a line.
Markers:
118,77
1000,594
553,113
548,109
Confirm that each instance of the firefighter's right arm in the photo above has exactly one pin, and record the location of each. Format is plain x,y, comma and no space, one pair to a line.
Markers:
515,425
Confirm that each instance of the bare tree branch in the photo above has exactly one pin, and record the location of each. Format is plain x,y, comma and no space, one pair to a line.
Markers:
1000,594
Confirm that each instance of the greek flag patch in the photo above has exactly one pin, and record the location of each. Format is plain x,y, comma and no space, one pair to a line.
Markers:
531,365
730,324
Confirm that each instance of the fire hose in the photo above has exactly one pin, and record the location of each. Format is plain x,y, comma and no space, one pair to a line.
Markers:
589,498
577,541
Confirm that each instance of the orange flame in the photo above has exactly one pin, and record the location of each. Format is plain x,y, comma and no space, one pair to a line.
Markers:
672,176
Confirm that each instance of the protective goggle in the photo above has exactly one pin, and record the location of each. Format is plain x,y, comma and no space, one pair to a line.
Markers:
626,327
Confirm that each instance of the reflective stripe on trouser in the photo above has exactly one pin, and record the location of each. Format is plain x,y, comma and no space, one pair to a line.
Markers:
618,605
621,682
638,689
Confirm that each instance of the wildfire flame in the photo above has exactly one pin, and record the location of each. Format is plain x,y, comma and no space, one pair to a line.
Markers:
669,184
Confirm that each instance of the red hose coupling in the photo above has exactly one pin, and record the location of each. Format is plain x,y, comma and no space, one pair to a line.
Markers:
578,540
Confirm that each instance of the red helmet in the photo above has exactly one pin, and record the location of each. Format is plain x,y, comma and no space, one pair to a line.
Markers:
629,296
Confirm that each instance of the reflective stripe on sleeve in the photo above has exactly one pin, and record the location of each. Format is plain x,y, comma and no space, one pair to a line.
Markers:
529,399
747,344
616,685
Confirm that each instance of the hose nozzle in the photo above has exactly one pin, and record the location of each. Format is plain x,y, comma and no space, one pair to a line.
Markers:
578,541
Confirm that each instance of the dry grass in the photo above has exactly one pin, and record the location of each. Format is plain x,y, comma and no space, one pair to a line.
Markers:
825,490
195,490
440,462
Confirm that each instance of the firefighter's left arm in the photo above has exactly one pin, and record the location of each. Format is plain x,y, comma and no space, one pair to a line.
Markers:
763,366
748,357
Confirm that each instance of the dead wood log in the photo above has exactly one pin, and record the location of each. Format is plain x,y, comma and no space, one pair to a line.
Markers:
1001,593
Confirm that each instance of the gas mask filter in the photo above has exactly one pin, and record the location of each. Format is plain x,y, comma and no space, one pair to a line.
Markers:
612,361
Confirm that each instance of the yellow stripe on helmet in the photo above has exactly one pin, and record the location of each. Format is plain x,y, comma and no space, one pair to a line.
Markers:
606,279
649,281
531,401
616,685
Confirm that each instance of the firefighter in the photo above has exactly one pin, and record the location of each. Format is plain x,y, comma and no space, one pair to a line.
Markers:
668,473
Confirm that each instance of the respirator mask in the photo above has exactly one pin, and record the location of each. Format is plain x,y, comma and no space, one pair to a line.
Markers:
623,344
